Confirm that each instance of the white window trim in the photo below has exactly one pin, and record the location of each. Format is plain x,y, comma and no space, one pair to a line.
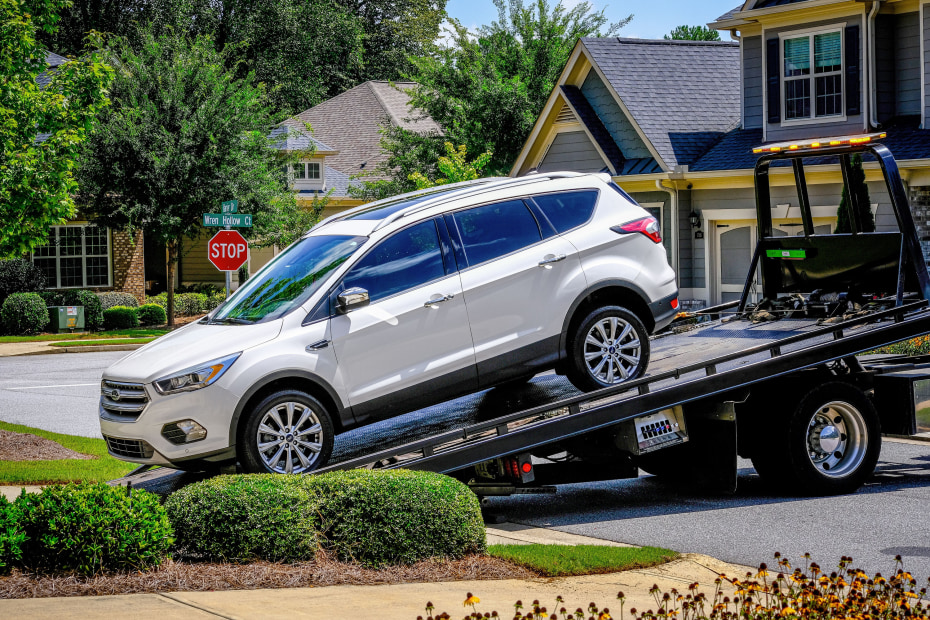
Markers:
83,256
813,120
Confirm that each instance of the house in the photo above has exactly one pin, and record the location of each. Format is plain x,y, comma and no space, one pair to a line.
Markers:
81,255
674,122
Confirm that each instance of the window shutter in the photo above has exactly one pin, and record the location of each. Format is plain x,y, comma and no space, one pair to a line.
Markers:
773,86
853,71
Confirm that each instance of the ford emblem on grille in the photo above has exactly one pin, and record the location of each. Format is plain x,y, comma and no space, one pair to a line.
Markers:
114,394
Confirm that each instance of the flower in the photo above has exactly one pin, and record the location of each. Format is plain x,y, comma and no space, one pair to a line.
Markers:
471,600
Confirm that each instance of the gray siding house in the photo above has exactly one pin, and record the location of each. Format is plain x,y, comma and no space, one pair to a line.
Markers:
674,122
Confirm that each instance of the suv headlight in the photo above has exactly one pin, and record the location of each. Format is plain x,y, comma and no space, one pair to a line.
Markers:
195,377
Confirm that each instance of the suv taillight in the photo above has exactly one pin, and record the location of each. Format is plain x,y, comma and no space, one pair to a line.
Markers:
648,226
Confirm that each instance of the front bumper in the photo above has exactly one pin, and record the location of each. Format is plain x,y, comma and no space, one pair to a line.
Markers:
139,439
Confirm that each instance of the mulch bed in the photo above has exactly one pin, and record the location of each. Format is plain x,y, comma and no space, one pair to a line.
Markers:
26,447
174,576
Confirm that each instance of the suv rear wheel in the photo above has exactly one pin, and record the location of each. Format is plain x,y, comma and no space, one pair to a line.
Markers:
288,432
610,346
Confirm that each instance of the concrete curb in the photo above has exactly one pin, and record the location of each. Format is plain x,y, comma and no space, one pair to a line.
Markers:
47,349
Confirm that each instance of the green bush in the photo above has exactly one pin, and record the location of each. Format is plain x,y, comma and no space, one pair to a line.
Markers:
93,309
159,300
397,516
11,537
23,314
120,317
214,301
152,314
18,275
372,517
116,298
200,287
91,528
52,298
190,304
247,517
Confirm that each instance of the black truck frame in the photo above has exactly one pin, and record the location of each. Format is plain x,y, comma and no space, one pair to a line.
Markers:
810,414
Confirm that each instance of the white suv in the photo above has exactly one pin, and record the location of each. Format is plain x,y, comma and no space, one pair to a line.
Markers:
394,306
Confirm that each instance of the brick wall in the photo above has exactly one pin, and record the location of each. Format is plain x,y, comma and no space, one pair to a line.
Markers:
920,208
128,264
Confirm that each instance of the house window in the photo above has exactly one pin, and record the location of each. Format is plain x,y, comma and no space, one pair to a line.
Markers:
299,171
313,171
813,75
75,257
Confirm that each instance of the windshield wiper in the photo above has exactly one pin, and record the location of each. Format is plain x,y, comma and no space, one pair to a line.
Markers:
230,321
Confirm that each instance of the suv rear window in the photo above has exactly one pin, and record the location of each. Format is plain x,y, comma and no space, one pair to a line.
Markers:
494,230
568,210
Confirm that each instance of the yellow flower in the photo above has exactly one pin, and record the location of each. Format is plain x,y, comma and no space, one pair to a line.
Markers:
471,600
788,611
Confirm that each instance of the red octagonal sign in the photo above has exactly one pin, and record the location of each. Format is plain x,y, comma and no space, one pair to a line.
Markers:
228,250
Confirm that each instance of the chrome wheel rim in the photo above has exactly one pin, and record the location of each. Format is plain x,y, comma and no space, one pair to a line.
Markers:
837,439
289,438
612,350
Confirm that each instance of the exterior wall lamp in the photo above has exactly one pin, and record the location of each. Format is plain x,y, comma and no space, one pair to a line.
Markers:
695,219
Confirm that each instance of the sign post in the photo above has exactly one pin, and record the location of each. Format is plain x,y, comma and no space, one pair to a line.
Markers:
228,250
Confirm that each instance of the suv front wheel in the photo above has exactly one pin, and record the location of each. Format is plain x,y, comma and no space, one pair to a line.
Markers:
288,432
610,346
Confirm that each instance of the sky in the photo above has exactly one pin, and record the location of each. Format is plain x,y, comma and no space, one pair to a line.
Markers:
651,18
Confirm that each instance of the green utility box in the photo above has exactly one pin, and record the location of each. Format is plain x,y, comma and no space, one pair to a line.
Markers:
66,318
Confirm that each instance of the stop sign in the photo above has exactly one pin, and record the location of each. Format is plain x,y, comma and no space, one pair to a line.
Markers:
228,250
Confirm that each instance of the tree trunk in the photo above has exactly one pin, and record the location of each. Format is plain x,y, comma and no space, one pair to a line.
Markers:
172,265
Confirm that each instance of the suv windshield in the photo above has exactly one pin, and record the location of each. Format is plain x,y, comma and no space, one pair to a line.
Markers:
289,280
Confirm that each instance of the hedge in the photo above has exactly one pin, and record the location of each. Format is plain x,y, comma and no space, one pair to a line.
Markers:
120,317
115,298
18,275
11,537
152,314
372,517
92,528
23,314
93,309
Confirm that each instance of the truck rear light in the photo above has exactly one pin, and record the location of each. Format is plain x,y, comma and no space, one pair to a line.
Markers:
648,226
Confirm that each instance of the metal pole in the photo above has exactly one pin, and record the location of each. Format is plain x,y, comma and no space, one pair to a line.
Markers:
228,274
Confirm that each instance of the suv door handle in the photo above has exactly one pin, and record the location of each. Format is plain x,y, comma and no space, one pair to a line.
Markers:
551,258
437,299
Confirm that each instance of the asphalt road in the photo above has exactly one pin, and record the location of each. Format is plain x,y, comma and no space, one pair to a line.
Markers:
56,393
887,517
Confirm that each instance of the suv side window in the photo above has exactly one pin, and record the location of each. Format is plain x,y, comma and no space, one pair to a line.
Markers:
567,210
494,230
407,259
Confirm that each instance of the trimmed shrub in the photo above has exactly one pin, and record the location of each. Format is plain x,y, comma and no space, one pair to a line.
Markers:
189,304
120,317
200,287
152,314
397,516
11,537
91,528
93,309
159,300
24,314
214,301
115,298
52,298
245,517
18,275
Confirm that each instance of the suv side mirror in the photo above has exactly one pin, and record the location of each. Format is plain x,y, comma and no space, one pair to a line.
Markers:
350,299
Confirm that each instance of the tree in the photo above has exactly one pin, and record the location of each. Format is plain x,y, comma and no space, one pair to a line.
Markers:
408,152
36,176
79,18
693,33
183,133
487,89
857,181
455,166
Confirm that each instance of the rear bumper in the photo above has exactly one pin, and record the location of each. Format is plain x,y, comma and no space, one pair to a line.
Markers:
663,312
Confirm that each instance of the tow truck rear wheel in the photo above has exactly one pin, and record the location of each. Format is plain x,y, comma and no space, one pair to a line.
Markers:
828,446
608,347
288,432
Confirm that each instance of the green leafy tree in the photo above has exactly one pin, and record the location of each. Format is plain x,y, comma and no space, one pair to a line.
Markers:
79,18
857,181
693,33
183,134
455,166
37,177
486,89
408,152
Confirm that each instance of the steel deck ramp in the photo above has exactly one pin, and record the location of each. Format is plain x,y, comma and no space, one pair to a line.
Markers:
680,372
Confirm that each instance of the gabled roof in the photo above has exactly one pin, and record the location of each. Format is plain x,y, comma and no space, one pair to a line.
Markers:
586,114
338,182
350,123
295,139
683,95
52,60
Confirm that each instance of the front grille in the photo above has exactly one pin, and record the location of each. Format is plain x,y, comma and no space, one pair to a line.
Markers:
132,448
122,399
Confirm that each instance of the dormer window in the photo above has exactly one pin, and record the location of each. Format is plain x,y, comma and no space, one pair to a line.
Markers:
313,170
299,172
812,75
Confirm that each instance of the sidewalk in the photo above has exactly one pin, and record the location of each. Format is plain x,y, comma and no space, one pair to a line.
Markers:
404,601
11,349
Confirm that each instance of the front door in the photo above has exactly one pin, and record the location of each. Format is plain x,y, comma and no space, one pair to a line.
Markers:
411,345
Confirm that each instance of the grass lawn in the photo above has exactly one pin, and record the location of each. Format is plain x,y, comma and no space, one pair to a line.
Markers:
565,560
146,332
100,469
100,343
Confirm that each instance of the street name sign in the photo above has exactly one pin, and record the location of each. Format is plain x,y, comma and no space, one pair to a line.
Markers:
228,220
230,206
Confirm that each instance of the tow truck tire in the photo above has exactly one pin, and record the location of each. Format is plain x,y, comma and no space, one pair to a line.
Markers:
608,347
829,445
288,432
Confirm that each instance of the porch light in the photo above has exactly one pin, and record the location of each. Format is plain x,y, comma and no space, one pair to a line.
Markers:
695,219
